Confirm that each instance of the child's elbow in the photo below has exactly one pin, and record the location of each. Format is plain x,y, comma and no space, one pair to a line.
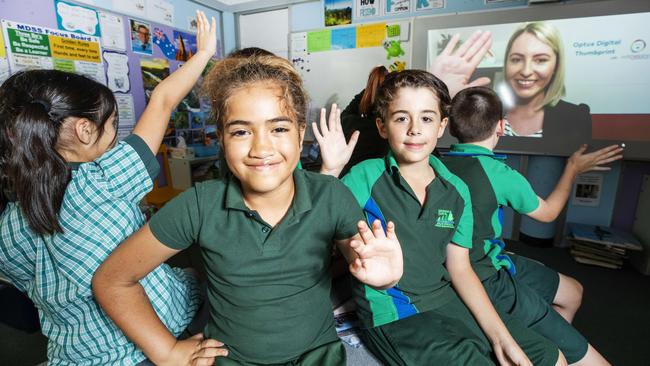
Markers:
99,282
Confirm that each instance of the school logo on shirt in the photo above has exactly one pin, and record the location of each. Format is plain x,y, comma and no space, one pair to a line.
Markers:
445,219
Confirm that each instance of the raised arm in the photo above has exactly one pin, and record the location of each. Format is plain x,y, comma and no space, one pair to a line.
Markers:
471,291
374,257
549,209
118,292
166,96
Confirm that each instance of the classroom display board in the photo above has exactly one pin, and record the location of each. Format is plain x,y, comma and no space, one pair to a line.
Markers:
335,62
35,47
563,82
125,52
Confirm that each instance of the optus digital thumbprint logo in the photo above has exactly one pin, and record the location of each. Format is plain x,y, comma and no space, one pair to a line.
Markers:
637,46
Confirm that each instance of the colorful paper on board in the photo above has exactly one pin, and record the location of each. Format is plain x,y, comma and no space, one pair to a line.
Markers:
76,18
3,54
343,38
371,35
319,41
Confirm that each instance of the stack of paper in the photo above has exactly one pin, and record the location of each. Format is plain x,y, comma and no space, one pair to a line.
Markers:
601,246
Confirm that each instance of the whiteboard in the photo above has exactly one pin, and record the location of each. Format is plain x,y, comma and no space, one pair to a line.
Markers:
337,75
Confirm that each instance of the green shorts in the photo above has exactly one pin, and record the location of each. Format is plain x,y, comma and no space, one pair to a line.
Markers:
537,276
330,354
527,306
449,336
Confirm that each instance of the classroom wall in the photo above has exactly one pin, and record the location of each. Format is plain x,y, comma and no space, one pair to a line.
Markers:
229,32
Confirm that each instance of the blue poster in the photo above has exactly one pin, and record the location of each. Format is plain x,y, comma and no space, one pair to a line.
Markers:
75,18
343,38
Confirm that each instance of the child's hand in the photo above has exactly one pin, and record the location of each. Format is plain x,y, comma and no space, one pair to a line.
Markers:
379,263
195,351
335,152
509,353
455,67
580,162
206,35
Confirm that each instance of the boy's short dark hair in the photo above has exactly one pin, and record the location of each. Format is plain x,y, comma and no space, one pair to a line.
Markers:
474,114
411,79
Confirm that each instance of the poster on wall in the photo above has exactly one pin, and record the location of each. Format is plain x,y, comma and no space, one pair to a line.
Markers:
4,64
338,12
367,8
131,7
36,47
185,45
164,43
117,71
588,188
140,37
75,18
154,70
126,114
429,4
397,6
112,29
160,11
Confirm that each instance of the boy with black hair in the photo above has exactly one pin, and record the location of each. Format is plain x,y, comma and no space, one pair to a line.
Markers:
524,288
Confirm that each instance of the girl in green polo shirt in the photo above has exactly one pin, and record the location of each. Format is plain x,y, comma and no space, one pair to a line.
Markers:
69,195
265,231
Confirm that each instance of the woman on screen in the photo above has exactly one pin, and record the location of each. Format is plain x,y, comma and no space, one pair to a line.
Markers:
534,70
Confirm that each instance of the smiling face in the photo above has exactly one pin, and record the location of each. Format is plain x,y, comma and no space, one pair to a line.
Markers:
261,139
143,34
530,66
412,125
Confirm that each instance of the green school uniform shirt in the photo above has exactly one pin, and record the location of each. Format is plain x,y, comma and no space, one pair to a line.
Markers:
492,185
423,232
268,287
100,209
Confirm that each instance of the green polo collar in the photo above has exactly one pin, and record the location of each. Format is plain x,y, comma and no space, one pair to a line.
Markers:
301,200
471,149
391,162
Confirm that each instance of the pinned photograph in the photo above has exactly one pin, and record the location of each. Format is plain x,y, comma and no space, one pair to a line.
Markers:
141,37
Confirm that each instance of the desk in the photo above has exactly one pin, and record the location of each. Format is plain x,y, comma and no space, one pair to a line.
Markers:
180,170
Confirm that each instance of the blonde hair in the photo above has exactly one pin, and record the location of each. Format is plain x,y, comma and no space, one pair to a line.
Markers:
233,73
548,34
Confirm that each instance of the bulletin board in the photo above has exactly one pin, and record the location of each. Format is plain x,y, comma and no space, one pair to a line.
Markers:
106,46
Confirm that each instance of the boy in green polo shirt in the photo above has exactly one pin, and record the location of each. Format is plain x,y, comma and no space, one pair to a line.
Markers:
476,119
421,320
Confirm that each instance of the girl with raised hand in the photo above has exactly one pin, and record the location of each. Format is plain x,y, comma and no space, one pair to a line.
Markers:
70,195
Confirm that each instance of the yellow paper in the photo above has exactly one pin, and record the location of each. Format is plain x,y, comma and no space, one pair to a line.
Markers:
371,35
3,54
74,49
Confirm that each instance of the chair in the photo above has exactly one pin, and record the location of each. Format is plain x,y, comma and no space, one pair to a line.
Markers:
161,195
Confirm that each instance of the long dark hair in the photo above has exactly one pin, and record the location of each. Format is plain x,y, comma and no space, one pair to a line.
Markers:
375,79
33,107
